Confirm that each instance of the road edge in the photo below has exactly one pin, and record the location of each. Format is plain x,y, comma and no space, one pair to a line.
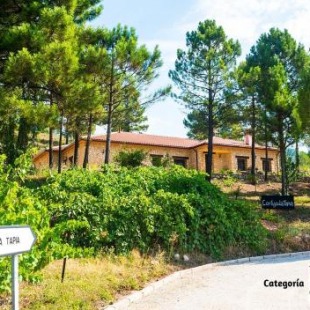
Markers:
127,300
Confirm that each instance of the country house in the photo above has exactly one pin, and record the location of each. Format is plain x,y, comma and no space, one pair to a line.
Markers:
228,154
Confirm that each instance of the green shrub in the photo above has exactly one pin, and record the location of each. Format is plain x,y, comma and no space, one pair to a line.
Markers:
80,213
151,207
162,161
20,205
130,158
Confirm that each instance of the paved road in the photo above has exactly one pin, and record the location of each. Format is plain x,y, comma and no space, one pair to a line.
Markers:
232,286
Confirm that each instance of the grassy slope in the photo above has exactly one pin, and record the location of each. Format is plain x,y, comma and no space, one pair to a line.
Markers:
90,283
289,231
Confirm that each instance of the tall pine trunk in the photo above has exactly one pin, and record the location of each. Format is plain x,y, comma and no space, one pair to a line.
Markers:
76,142
76,148
266,147
50,140
86,155
108,136
50,148
110,112
67,137
297,157
284,180
284,184
22,138
253,132
210,138
266,158
60,144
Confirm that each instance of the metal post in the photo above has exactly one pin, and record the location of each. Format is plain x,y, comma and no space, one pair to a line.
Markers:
15,288
63,269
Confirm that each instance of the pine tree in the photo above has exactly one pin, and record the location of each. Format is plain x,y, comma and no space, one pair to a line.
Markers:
123,69
35,38
247,78
202,73
281,61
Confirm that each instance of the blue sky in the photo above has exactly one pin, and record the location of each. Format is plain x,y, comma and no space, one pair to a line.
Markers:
165,23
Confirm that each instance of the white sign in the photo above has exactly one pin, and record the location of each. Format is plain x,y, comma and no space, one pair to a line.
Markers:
15,240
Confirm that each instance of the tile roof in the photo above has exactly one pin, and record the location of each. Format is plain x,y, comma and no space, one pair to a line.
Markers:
155,140
229,142
146,139
63,147
237,143
54,148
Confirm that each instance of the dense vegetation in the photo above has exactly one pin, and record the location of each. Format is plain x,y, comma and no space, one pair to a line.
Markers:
82,213
58,73
267,93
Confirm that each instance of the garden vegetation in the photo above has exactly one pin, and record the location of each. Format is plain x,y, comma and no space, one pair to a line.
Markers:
82,213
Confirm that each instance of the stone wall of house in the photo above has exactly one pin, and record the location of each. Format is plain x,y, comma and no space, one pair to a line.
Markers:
97,153
226,158
42,160
260,154
156,150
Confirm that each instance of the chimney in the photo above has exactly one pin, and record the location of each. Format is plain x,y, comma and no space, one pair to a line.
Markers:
248,137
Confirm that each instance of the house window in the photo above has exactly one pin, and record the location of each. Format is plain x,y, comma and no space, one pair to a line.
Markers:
156,160
242,163
181,161
266,164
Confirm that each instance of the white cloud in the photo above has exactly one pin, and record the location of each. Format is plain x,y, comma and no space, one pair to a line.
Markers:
246,20
166,119
243,20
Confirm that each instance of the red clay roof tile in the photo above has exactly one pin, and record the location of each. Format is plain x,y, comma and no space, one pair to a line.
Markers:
147,139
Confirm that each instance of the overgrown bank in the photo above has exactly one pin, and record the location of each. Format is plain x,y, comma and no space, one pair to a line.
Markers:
81,213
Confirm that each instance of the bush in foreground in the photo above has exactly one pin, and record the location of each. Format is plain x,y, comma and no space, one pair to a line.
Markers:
147,208
81,213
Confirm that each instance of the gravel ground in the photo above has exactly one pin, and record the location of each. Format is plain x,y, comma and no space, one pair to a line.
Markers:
229,286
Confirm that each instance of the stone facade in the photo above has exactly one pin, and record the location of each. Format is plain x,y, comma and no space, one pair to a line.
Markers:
226,158
235,155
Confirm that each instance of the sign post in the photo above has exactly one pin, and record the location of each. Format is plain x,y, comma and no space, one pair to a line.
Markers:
15,286
15,240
